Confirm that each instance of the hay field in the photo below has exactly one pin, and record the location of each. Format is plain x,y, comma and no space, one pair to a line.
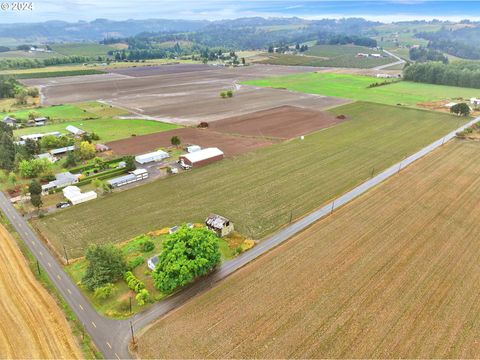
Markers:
31,323
392,275
260,190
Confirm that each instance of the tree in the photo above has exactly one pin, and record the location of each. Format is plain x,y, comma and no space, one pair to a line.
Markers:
142,297
35,188
7,152
105,265
85,150
229,93
175,141
187,254
31,147
12,178
460,109
70,159
21,97
101,186
33,168
36,201
103,292
223,94
130,163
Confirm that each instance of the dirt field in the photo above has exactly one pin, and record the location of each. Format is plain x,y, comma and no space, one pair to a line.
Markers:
392,275
182,96
31,324
282,122
161,69
230,145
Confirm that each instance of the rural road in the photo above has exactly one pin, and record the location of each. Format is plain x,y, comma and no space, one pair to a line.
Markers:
112,336
398,62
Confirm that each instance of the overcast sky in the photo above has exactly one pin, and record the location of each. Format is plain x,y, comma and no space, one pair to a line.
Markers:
387,11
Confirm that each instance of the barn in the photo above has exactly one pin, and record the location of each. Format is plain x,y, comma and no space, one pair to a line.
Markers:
201,157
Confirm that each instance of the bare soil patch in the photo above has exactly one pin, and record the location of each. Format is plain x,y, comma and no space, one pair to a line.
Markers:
160,69
230,145
392,275
281,122
31,324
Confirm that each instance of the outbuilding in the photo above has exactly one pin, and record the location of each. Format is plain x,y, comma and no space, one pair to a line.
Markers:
193,148
201,157
219,224
10,121
75,131
39,136
158,155
133,176
152,262
75,196
40,121
63,150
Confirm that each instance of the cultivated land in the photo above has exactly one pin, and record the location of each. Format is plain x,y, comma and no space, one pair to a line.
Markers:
171,92
282,122
261,190
329,56
356,88
106,129
230,145
31,323
392,275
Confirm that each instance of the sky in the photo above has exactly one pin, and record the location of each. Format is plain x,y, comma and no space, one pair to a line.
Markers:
385,11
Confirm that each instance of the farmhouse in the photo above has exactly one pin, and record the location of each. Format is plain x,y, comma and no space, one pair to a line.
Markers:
9,121
39,136
40,121
74,130
219,224
133,176
151,157
201,157
61,180
75,196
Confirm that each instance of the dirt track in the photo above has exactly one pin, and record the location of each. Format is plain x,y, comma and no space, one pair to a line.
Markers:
179,95
31,323
230,145
282,122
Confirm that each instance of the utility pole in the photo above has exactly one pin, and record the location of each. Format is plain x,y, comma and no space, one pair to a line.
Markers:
66,255
291,214
131,330
333,206
130,298
373,171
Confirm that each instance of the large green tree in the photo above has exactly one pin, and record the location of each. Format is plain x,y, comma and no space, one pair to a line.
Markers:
460,109
105,265
187,254
7,152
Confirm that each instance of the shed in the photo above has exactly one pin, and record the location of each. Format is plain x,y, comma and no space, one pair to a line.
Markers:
75,196
153,156
40,121
74,130
152,262
39,136
10,121
202,157
62,150
219,224
193,148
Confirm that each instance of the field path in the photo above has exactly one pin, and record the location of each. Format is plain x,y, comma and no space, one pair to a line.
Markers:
31,323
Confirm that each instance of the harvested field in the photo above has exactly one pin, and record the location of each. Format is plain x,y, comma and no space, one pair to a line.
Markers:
259,191
282,122
186,97
392,275
230,145
31,323
161,69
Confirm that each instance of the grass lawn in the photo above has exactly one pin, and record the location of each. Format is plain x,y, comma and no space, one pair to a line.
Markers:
258,191
393,275
116,305
355,87
108,129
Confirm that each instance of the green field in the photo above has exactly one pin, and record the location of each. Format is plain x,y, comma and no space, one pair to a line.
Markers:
261,190
355,87
330,56
107,129
79,111
82,49
19,54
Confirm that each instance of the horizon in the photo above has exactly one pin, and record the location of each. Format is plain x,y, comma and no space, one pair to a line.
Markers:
121,10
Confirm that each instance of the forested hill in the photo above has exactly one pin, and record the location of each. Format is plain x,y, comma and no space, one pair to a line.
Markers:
240,33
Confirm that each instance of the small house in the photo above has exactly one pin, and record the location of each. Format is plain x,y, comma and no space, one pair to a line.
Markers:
152,262
75,131
40,121
61,180
219,224
10,121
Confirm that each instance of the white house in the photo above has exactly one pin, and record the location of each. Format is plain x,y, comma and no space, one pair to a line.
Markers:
153,156
61,180
75,195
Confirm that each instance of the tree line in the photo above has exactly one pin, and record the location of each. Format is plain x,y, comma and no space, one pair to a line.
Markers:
343,39
9,64
461,74
422,54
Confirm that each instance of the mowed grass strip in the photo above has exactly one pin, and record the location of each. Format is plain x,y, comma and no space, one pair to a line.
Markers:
355,87
107,129
258,191
392,275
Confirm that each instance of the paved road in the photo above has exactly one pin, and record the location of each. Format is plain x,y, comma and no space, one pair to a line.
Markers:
398,62
112,336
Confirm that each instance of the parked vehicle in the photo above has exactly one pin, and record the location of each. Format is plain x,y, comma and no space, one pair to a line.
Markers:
63,205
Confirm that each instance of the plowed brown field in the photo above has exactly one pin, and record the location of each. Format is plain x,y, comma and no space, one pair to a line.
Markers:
394,274
31,323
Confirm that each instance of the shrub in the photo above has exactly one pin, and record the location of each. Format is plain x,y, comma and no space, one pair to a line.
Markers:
229,93
223,94
142,297
135,262
147,245
132,282
104,291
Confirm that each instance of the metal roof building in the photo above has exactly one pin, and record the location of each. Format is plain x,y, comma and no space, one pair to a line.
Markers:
62,150
74,130
202,157
153,156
